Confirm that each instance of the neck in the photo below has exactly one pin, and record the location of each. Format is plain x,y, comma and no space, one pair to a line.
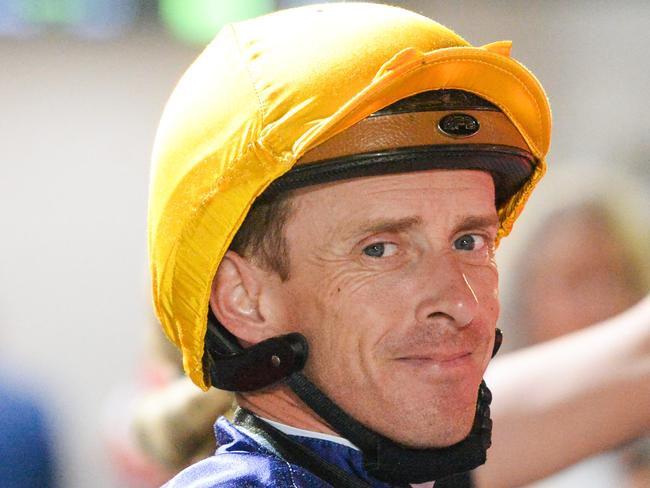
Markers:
282,405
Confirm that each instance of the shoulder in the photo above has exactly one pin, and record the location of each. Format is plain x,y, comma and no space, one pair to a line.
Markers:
242,470
243,462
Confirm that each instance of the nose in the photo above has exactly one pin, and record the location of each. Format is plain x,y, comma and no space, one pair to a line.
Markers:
447,295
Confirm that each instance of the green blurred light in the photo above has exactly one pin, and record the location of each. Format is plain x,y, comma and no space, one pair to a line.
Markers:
197,21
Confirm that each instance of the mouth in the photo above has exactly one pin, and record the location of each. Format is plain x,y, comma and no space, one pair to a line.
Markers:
439,362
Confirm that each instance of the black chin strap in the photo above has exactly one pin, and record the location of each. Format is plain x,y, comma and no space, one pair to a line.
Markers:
391,462
295,453
384,459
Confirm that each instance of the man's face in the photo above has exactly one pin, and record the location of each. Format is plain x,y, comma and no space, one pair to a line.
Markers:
392,280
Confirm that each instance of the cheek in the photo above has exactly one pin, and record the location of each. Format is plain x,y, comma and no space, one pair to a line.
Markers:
348,317
355,305
376,305
484,282
327,307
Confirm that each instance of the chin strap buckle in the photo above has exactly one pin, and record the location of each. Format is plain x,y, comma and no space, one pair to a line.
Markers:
234,368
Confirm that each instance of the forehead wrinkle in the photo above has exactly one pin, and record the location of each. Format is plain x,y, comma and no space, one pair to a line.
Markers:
413,192
362,189
443,182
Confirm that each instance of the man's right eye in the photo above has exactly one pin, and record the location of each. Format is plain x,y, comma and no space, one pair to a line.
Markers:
380,249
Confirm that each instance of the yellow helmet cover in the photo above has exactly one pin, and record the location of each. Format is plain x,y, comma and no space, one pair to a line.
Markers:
267,90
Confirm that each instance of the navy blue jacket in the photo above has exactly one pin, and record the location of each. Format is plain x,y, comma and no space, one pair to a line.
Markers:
244,460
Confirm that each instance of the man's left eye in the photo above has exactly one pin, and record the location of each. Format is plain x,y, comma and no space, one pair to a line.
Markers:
380,249
469,242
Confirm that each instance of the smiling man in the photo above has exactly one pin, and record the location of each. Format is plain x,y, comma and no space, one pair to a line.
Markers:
329,186
391,280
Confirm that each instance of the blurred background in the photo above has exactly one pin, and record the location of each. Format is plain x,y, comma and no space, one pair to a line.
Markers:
82,85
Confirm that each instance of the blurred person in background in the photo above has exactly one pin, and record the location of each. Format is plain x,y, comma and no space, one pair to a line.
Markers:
564,400
26,446
590,227
580,258
160,423
171,422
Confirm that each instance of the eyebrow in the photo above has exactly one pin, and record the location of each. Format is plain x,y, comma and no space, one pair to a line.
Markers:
478,222
387,225
402,224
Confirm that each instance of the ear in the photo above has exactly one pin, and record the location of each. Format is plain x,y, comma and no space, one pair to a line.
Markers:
237,293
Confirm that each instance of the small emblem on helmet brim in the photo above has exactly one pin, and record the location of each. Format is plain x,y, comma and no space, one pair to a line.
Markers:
458,125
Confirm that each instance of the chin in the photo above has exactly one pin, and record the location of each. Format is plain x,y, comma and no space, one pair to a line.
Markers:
459,431
420,429
441,438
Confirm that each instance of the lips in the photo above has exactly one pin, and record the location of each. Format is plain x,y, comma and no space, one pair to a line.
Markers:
437,357
439,361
